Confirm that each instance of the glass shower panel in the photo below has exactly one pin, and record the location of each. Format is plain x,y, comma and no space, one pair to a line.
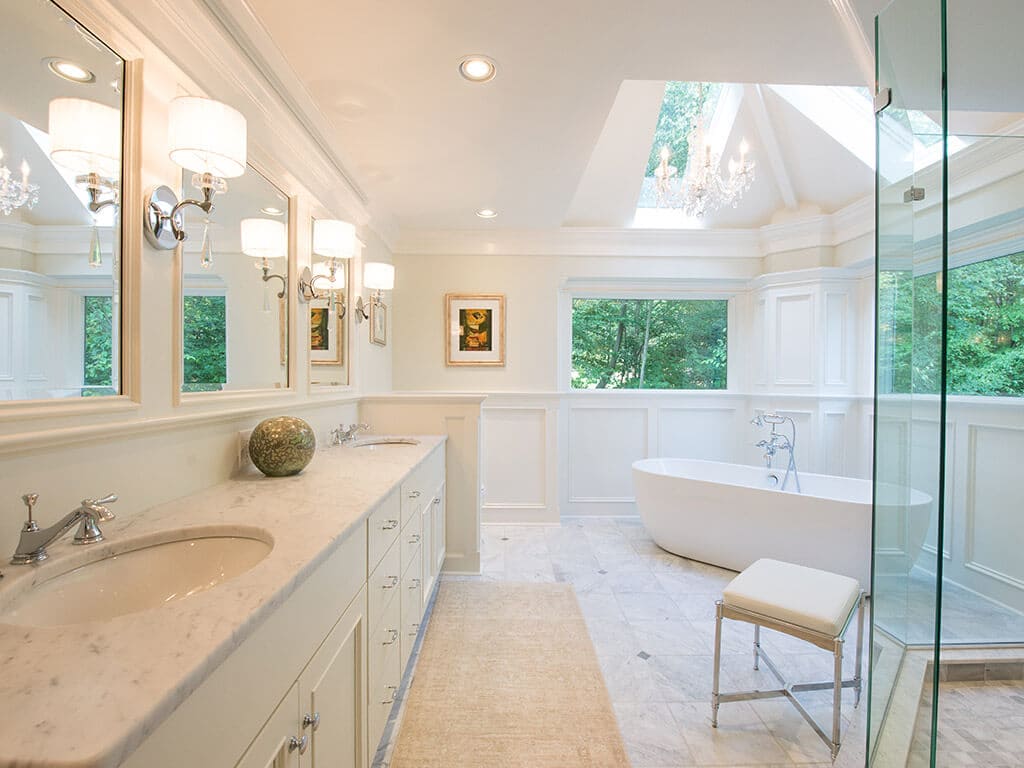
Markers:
909,352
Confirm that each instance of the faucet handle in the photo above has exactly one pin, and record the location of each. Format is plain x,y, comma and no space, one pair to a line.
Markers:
98,506
30,499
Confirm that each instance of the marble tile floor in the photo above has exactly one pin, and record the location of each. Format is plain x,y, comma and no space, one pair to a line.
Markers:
651,619
980,724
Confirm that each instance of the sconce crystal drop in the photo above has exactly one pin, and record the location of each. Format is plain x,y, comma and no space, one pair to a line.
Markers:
95,252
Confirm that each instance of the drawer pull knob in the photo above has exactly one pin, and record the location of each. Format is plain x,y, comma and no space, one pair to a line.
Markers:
393,633
414,494
300,744
414,584
414,629
311,720
389,525
392,689
391,582
414,539
437,500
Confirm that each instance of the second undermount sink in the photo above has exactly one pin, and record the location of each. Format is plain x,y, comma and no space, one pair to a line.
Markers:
369,442
135,577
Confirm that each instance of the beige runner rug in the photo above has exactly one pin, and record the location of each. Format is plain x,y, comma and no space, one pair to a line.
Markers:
508,678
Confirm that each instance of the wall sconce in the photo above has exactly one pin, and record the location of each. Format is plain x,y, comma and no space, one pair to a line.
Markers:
85,138
378,277
209,139
336,242
265,239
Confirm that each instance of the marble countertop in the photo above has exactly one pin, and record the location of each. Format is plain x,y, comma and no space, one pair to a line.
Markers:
88,694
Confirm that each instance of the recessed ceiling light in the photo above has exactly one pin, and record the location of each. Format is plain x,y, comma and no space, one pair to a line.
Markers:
477,68
272,211
487,213
69,70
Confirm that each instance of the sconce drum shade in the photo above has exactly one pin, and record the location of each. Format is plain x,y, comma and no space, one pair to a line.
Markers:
85,137
206,136
378,276
264,238
334,239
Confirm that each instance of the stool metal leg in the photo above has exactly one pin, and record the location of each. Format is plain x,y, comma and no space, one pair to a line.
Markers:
718,663
837,696
860,652
757,645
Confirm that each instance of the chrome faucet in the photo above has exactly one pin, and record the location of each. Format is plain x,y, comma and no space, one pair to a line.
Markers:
777,441
34,540
346,433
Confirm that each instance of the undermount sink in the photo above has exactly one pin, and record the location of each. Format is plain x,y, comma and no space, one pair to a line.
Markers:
134,576
369,442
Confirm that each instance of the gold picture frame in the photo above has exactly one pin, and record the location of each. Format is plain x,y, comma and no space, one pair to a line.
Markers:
474,329
378,323
326,339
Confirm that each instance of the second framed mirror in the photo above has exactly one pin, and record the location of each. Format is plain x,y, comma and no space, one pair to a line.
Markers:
334,246
234,290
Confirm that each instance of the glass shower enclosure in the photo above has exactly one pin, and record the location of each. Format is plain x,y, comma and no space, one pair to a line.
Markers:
947,640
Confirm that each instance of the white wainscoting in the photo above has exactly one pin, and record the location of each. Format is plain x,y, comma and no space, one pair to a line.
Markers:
546,455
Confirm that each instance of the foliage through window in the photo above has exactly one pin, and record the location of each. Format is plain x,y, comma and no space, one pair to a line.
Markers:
97,359
649,343
205,343
985,330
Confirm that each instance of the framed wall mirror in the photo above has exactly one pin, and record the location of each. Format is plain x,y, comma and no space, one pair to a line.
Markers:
61,138
334,246
235,290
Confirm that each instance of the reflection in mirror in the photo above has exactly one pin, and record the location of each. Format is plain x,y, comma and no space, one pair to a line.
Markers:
60,176
234,297
334,245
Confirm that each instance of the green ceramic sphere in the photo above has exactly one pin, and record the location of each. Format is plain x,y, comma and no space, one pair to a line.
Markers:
282,446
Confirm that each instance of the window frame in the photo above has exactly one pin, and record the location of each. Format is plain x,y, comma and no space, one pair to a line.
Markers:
670,289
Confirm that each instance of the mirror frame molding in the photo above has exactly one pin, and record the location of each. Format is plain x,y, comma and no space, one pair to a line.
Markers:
179,398
130,397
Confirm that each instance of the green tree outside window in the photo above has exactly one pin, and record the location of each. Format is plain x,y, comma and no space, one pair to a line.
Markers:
649,344
204,343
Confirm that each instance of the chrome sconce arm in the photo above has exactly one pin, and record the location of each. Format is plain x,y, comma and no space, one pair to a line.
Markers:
165,222
309,292
362,308
268,276
98,188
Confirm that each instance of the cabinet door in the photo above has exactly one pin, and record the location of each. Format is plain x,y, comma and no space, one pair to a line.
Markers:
333,690
439,530
427,570
278,743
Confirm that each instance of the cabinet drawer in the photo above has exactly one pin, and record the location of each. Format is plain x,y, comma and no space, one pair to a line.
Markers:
412,605
384,583
385,675
383,527
411,541
414,496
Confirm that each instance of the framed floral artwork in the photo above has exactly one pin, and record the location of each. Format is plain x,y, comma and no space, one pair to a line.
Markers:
379,323
475,329
326,333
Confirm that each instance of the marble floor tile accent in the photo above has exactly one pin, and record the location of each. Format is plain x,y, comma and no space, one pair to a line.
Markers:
650,616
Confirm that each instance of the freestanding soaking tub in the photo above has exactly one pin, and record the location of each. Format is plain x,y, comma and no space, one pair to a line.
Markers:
732,514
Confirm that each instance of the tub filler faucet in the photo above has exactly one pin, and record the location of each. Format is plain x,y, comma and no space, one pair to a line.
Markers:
777,441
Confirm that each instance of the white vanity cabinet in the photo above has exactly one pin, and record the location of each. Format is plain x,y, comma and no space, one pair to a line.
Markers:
314,684
401,565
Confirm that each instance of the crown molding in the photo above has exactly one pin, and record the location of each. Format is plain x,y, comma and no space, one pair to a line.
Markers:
825,230
52,239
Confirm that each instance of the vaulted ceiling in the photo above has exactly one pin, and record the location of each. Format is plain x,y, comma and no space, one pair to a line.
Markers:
560,136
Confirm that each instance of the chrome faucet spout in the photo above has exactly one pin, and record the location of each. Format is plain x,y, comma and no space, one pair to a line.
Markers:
34,540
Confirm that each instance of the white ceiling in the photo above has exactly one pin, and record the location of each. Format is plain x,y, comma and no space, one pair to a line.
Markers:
429,148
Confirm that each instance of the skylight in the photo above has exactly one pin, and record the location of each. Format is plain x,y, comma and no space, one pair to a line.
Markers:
682,103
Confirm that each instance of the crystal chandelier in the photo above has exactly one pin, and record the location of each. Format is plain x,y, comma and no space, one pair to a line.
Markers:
13,193
703,187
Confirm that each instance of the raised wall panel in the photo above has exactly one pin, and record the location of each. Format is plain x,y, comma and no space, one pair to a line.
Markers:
697,433
835,338
834,443
6,335
994,524
514,456
760,351
603,444
794,339
36,337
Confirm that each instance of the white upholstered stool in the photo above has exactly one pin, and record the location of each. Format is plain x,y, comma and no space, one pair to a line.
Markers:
812,605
